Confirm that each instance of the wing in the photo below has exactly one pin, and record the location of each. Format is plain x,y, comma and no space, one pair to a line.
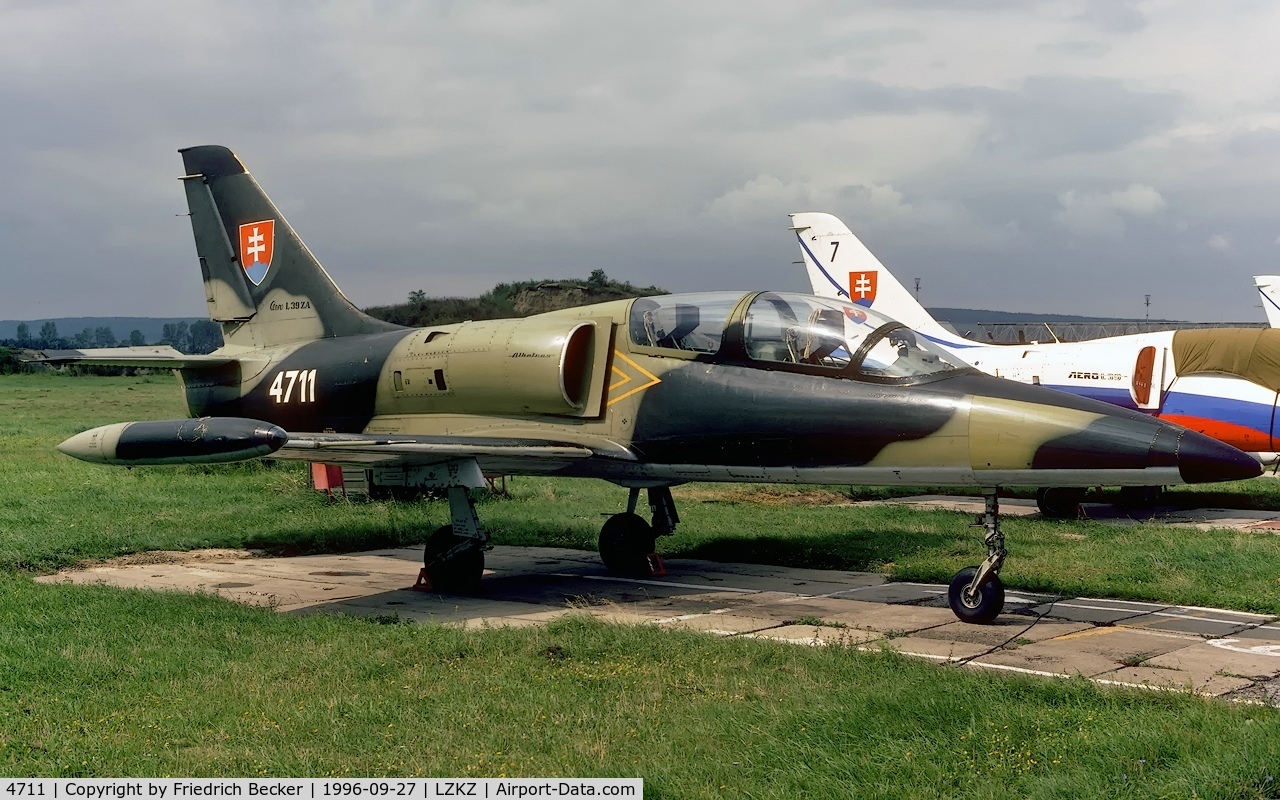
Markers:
494,454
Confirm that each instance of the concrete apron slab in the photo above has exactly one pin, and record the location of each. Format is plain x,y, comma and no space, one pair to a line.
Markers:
1114,642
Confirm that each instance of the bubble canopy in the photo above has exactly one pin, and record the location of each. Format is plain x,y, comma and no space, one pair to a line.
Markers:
792,332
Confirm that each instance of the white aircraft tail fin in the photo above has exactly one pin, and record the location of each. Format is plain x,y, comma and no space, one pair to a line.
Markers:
1269,288
841,266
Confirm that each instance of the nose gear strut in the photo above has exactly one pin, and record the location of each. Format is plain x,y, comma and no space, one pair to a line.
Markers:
976,594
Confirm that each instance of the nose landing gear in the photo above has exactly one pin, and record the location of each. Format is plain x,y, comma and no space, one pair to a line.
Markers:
976,594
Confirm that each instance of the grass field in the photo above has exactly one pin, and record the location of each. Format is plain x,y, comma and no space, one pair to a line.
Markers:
98,681
57,511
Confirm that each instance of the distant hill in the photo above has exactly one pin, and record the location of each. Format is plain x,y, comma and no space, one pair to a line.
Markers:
152,327
961,317
1005,327
510,300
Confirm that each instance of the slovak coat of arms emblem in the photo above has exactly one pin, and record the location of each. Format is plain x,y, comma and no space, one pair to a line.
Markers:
257,245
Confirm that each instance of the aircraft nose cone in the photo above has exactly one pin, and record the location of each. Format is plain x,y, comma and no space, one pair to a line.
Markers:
82,446
1202,459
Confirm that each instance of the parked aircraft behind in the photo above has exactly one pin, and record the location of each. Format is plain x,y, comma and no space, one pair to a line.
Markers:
646,393
1222,382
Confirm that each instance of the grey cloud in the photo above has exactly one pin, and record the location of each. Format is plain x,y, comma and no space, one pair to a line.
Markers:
1058,115
984,6
1076,47
1114,16
1045,116
446,146
1264,143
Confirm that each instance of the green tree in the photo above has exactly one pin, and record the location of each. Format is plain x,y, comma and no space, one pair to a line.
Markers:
206,336
104,337
9,362
24,335
49,336
417,297
136,339
175,335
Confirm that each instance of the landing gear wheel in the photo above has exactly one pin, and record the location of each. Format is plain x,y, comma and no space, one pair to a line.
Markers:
1140,496
455,573
625,542
980,607
1060,502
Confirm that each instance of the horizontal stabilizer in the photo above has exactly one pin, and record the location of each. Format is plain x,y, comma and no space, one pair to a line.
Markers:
155,357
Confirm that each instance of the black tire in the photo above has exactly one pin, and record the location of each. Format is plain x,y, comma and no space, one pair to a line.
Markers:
625,542
981,609
459,574
1060,502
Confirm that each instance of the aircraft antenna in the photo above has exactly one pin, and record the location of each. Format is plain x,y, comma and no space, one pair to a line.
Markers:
1148,307
917,290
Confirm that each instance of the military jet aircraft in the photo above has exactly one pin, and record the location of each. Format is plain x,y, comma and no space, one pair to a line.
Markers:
646,393
1222,382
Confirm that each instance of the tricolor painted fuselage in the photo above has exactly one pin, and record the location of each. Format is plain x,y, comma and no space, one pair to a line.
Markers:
1222,382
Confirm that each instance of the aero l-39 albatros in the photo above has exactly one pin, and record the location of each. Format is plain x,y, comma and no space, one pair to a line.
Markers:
1222,382
646,393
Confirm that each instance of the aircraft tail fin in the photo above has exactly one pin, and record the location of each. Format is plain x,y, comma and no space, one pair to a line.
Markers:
1269,288
261,282
839,265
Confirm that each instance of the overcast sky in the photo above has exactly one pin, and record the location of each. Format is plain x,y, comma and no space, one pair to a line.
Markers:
1063,157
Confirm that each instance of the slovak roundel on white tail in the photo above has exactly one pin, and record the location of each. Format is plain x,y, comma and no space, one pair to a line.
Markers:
862,287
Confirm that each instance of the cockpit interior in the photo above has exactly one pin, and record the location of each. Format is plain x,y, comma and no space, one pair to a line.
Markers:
792,332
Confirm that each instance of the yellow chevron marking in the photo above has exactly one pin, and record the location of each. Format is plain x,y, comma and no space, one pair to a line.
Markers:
627,377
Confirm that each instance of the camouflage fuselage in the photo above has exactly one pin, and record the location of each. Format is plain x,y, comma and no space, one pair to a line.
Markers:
655,415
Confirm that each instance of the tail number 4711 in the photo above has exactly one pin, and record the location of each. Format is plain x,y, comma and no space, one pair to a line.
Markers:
304,380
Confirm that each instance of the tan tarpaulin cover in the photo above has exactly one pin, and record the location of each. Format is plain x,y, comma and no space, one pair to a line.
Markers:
1251,353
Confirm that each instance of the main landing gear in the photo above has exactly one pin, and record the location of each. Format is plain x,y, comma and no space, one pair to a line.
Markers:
1060,502
627,541
976,594
453,560
1063,502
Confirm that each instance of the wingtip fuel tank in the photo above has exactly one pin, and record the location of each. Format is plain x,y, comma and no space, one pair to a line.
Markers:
207,440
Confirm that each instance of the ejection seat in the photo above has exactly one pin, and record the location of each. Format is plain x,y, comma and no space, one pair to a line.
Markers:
822,336
667,327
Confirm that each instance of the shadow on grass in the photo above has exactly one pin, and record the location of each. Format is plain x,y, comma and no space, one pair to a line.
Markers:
536,534
859,550
346,539
372,535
